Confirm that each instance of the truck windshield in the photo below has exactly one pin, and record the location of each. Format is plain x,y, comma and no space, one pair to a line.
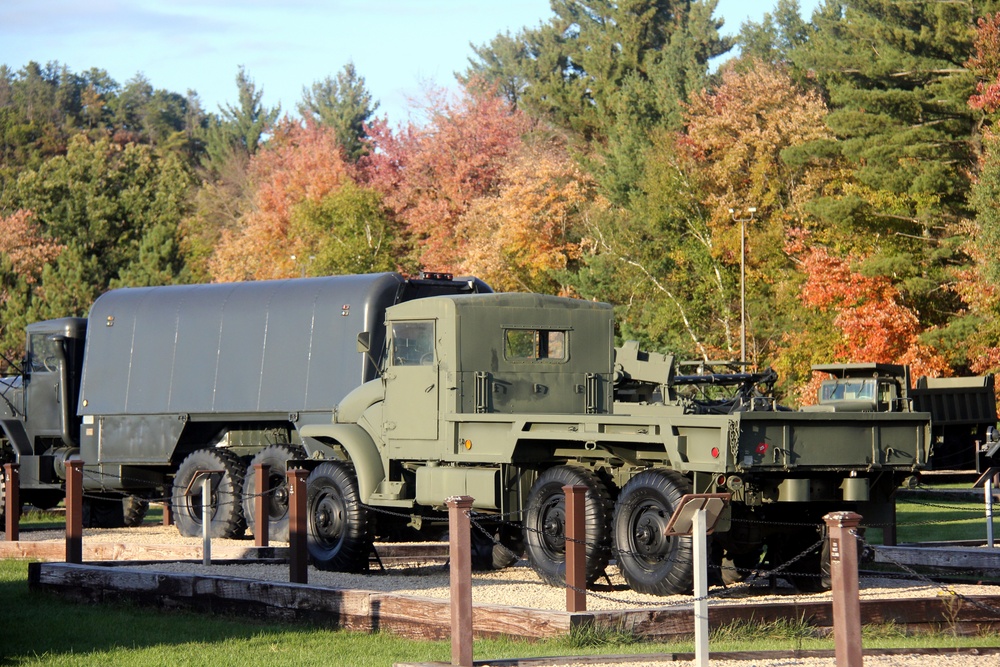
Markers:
854,389
412,343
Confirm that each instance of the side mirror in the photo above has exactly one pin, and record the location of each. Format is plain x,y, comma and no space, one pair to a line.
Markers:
364,342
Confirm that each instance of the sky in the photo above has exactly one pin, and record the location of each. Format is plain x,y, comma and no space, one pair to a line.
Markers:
400,47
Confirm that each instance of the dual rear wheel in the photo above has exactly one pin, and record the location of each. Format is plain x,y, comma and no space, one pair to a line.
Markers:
650,561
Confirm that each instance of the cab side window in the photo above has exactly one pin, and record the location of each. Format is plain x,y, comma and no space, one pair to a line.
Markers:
534,345
42,355
412,343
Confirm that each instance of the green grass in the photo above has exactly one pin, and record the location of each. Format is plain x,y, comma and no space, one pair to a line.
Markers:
41,629
939,521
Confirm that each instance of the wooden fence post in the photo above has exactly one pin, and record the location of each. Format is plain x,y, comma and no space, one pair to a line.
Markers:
261,526
12,501
841,527
576,549
460,550
74,511
298,556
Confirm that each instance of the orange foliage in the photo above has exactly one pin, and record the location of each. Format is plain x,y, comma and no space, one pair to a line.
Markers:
516,238
430,175
22,243
874,325
301,162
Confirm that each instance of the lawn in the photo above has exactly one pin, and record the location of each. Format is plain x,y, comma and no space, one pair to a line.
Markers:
43,629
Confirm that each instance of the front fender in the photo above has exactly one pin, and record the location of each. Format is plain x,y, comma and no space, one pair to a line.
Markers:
360,447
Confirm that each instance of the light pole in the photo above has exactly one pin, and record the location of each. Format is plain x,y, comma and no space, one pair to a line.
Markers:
743,276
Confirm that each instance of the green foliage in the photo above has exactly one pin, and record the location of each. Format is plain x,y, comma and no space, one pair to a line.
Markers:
240,127
348,231
343,104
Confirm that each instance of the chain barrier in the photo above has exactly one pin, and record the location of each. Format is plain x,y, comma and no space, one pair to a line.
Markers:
930,583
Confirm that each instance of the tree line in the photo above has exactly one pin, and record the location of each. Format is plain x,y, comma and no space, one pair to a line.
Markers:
840,170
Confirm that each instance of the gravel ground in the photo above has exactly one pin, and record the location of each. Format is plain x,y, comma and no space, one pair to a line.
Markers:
520,586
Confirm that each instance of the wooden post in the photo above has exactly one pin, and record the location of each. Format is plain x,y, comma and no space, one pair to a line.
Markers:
576,550
261,526
74,511
12,501
842,527
298,557
460,550
168,513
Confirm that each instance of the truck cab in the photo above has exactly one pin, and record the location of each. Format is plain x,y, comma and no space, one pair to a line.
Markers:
864,387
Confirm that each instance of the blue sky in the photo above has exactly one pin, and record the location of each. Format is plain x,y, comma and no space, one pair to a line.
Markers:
398,46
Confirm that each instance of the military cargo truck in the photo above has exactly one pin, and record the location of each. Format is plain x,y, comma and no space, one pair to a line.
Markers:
162,382
509,397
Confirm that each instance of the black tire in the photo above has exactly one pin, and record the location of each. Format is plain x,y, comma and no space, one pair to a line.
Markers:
650,561
134,509
496,548
276,456
227,493
810,573
545,520
103,513
339,533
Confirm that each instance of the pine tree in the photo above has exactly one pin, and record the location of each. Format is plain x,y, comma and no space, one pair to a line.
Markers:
240,128
345,105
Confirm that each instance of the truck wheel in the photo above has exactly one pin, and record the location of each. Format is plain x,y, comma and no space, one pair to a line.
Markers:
339,531
135,509
497,548
103,513
226,519
276,456
545,524
650,561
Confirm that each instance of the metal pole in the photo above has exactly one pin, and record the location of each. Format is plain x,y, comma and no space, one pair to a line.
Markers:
12,501
261,526
988,486
460,550
699,535
743,291
74,511
842,528
206,519
576,550
298,557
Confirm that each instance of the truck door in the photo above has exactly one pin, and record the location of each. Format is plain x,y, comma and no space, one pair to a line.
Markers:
411,381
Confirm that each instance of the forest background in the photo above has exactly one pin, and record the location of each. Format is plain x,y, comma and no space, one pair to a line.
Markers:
596,155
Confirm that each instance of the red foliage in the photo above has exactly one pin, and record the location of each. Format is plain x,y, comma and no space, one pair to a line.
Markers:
301,162
430,175
874,325
22,243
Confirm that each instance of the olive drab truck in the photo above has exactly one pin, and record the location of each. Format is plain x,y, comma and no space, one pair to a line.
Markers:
162,382
509,397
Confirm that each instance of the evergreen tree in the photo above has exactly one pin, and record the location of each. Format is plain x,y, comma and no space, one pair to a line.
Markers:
345,105
240,128
898,94
778,33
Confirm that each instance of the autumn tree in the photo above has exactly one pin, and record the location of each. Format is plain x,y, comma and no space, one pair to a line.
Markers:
24,254
526,235
430,175
303,162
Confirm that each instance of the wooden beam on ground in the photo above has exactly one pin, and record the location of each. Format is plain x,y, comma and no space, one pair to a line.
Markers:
961,558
